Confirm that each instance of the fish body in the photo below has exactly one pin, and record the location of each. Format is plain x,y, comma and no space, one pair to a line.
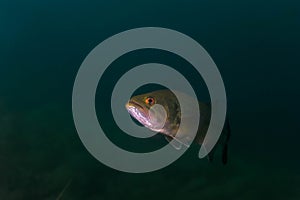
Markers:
167,120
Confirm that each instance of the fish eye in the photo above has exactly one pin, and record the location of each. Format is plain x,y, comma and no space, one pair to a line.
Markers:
150,101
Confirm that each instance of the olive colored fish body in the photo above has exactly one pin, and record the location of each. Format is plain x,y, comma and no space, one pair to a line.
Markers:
140,108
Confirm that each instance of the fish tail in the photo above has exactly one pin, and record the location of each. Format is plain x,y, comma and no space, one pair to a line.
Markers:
225,147
211,154
225,154
228,132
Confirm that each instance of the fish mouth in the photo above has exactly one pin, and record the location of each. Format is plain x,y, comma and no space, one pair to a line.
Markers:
138,112
137,107
134,104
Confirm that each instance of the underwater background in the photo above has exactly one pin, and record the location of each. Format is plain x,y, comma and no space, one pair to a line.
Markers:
255,45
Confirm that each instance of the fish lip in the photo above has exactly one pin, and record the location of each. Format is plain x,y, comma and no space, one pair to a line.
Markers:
135,104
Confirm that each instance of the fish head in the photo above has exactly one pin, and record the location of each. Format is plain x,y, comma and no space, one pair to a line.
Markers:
156,110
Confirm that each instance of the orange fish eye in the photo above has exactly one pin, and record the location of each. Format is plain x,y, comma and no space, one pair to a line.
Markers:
150,101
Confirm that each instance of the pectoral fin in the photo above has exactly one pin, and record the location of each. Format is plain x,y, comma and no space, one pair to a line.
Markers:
175,143
178,143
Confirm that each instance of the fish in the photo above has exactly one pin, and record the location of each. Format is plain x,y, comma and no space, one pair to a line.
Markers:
64,190
166,120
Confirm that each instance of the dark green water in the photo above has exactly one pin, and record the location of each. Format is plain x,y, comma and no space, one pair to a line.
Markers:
255,45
